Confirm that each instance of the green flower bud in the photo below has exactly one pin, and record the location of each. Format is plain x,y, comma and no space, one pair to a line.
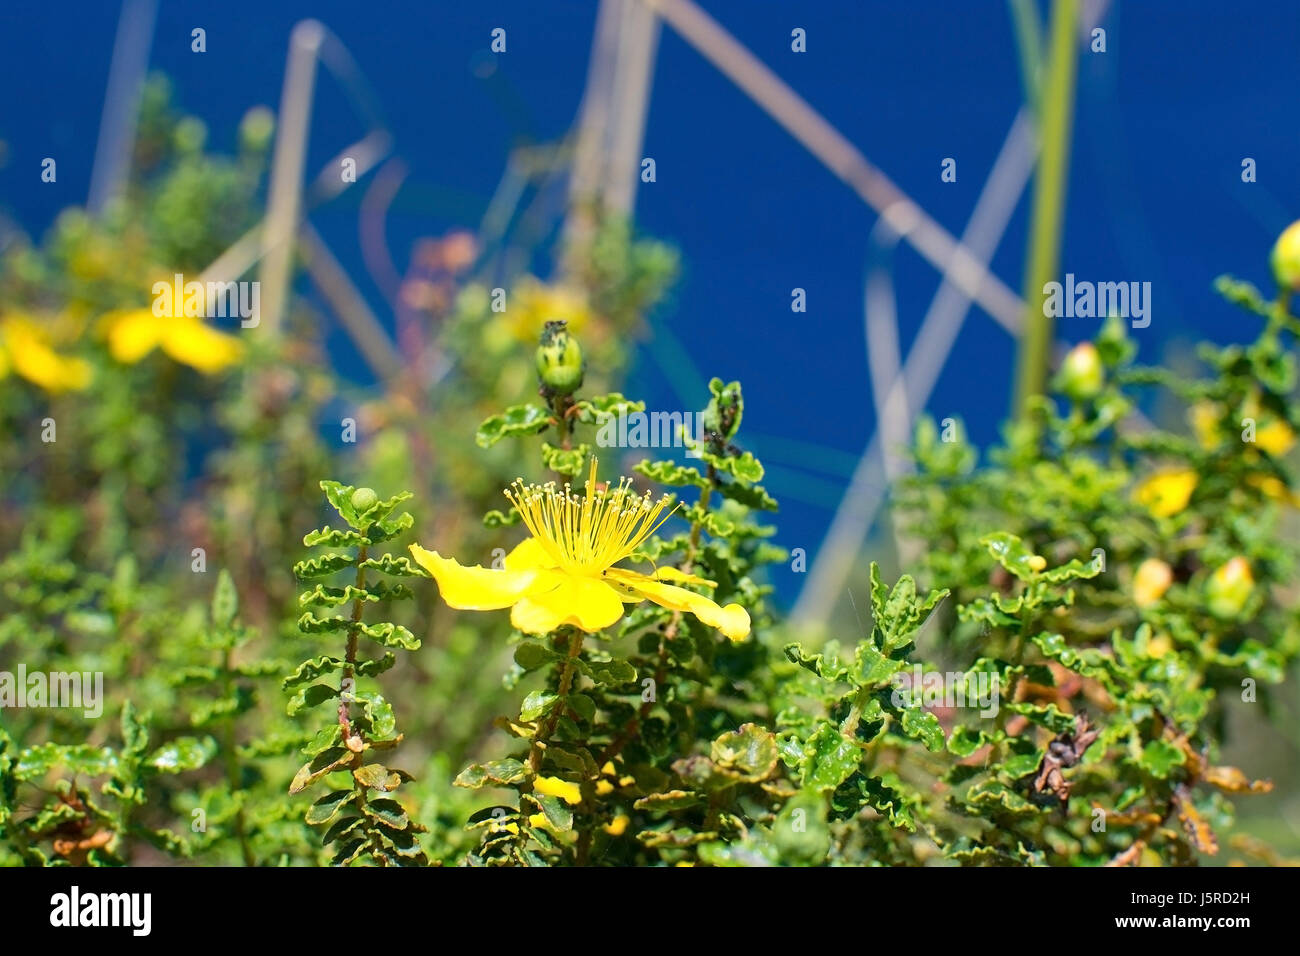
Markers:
363,499
1229,588
1082,375
559,359
1286,258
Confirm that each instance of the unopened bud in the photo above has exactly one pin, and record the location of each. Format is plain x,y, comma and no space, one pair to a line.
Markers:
1286,258
559,359
1229,588
1082,376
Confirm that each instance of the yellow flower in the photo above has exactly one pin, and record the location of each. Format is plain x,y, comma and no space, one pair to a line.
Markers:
565,574
135,333
604,788
1274,488
1276,438
617,826
532,304
1151,581
1204,417
555,787
1166,493
26,349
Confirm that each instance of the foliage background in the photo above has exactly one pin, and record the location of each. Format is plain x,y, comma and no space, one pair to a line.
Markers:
1145,141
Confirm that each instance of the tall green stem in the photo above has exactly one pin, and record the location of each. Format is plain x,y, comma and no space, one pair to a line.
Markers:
1054,124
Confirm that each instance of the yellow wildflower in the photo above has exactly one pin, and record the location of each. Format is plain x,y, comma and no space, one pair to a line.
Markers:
555,787
604,787
1151,581
532,304
135,333
1166,493
1274,488
1276,438
565,574
26,349
1159,646
1204,417
617,826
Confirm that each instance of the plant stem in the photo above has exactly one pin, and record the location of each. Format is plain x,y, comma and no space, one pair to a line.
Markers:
353,634
1050,182
232,764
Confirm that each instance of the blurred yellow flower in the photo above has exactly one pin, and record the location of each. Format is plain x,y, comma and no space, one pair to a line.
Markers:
1274,488
617,826
1276,438
134,333
532,304
25,347
1151,581
564,573
1204,418
555,787
1166,493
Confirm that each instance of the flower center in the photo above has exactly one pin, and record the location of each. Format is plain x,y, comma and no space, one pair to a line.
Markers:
586,535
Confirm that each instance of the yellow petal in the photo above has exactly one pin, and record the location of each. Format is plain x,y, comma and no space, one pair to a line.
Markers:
555,787
527,555
133,335
476,588
616,826
192,343
732,620
669,573
560,598
1276,438
1166,493
35,361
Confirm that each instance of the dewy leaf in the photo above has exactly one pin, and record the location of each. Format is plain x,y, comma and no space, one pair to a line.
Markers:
34,763
830,758
515,421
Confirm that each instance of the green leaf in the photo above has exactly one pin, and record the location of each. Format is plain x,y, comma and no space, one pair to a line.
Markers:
594,410
536,704
923,726
311,695
225,600
388,812
828,668
531,655
498,773
1159,758
323,565
326,808
750,753
565,461
830,758
515,421
612,673
35,762
334,538
182,754
670,473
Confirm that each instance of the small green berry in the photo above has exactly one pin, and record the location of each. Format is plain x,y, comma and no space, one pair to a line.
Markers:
363,499
559,359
